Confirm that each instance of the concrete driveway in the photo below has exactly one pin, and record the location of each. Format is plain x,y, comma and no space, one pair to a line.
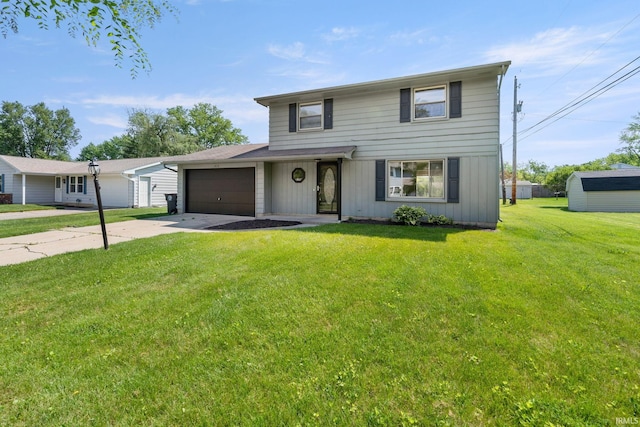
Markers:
14,250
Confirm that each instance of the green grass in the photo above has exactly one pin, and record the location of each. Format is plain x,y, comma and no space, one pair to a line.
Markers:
19,227
533,324
23,208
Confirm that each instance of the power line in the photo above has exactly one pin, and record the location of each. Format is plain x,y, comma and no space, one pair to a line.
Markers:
585,97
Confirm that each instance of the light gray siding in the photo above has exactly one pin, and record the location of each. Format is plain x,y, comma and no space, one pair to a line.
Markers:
613,201
371,121
478,202
163,181
114,191
289,197
40,189
600,201
577,197
479,205
84,198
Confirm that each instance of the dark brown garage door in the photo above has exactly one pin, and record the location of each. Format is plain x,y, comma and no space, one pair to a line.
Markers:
221,191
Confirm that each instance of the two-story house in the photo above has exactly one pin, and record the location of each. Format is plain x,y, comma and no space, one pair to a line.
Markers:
362,150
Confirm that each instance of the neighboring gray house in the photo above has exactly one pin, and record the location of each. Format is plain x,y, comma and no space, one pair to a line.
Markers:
604,191
123,183
362,150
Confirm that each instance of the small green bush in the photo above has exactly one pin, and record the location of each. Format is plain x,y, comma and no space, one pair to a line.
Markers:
409,215
438,220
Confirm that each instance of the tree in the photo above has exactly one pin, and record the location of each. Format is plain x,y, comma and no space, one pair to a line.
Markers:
37,131
630,137
556,180
108,150
534,171
153,135
118,20
206,125
180,131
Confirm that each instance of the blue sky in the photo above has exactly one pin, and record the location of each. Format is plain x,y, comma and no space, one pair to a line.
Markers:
229,52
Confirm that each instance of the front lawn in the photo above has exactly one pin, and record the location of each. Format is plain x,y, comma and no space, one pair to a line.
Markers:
19,227
23,208
346,324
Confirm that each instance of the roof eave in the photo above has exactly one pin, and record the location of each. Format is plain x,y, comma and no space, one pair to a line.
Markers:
497,68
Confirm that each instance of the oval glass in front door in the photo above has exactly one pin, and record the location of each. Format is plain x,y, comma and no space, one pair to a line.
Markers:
327,188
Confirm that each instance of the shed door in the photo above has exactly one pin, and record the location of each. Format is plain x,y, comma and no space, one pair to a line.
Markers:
221,191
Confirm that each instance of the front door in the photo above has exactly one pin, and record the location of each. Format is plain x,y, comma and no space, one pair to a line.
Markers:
328,189
57,197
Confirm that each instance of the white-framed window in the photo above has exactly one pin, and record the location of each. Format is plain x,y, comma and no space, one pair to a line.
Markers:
310,115
76,184
420,179
430,102
1,183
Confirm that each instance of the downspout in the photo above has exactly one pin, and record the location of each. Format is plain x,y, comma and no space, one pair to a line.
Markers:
24,189
504,189
339,189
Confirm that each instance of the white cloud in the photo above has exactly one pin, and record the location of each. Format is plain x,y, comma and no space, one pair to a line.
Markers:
294,52
554,48
113,120
157,102
340,34
414,37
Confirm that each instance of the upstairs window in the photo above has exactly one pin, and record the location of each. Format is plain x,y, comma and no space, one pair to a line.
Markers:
429,102
310,116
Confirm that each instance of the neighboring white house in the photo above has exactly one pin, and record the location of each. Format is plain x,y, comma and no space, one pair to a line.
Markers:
604,191
362,150
123,183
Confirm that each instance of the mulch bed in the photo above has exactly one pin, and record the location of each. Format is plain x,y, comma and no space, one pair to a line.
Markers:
254,224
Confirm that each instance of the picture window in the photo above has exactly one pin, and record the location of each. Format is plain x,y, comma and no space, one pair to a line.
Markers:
420,179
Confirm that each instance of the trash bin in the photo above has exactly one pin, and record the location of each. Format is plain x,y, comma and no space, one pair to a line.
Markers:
172,203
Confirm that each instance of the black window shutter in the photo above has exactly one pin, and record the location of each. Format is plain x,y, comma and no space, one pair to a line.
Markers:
328,113
67,184
381,174
455,100
84,184
293,117
453,180
405,105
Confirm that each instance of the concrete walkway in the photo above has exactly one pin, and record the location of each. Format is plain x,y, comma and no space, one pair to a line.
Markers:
14,250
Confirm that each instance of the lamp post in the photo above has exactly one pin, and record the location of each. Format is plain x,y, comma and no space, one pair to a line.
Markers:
94,169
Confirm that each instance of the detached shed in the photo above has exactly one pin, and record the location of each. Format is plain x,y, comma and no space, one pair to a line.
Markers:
604,191
523,189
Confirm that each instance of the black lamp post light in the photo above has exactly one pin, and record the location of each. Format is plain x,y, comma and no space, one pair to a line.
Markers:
94,169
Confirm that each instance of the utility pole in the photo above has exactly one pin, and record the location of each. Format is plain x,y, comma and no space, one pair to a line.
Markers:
517,107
